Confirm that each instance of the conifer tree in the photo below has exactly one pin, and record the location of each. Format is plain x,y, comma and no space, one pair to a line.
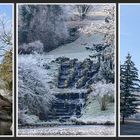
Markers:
129,84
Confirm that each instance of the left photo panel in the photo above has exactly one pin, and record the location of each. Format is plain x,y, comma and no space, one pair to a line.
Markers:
6,69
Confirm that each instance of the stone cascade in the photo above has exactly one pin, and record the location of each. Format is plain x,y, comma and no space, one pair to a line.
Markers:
73,80
73,73
67,105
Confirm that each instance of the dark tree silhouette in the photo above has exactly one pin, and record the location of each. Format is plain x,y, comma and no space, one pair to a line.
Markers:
129,84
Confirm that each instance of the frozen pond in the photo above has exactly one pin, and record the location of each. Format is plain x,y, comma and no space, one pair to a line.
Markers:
70,130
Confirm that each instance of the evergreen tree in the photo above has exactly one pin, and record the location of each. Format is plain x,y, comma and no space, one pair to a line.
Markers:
104,53
129,84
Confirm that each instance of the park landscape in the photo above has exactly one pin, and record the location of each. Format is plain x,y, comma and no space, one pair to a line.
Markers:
66,70
6,94
129,71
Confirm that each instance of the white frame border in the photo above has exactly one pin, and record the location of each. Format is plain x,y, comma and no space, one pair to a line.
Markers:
13,80
115,128
119,5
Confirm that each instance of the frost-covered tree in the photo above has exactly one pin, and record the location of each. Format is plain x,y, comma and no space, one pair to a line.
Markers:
105,50
5,34
129,84
6,51
104,93
107,28
105,57
26,13
31,48
44,23
34,94
83,10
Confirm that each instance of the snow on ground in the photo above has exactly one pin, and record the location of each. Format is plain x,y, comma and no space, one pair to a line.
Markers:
137,115
70,130
93,114
131,127
77,49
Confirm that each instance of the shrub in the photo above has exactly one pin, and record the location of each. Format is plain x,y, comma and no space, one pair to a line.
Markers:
31,48
26,119
34,93
104,93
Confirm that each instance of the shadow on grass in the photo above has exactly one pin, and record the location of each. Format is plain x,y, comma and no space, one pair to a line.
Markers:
131,127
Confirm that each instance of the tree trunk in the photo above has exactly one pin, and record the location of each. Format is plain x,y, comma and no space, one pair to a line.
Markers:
83,16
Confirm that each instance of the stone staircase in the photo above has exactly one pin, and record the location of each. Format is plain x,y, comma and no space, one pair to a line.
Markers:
72,74
67,105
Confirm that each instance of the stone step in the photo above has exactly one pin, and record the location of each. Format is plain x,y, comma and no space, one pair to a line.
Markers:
61,114
70,100
65,114
63,77
61,109
66,105
64,72
71,96
54,118
65,66
68,112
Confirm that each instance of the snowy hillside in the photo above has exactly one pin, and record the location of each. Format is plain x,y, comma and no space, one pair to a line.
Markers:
77,49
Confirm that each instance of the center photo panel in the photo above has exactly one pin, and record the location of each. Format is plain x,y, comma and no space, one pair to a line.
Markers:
66,69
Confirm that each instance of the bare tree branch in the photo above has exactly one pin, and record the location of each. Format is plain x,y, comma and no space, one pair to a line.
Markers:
83,10
5,35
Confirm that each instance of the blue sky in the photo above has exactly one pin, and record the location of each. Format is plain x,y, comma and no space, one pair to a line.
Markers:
130,33
7,9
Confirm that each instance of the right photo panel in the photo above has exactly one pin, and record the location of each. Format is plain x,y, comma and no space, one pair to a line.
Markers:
129,69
